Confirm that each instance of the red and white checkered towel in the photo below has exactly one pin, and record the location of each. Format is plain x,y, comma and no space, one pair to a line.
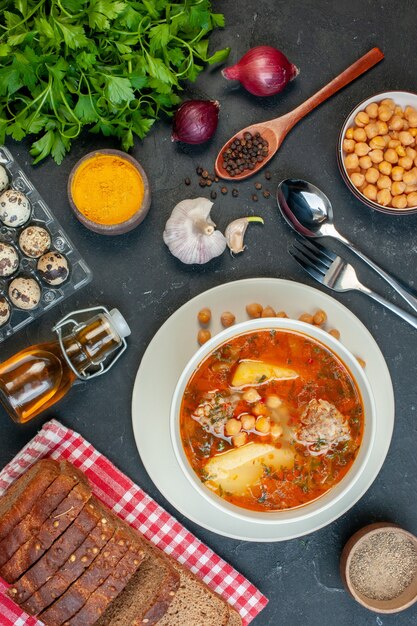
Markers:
138,509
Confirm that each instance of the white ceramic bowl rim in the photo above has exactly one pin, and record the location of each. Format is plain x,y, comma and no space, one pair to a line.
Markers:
327,499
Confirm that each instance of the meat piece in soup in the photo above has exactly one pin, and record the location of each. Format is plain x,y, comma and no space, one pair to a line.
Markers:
271,420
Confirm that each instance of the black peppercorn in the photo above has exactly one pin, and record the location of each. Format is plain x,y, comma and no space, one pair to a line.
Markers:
187,181
258,186
235,193
266,194
255,197
268,175
213,195
202,182
204,174
224,190
199,170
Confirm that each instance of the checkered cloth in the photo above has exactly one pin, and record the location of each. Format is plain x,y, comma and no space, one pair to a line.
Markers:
136,507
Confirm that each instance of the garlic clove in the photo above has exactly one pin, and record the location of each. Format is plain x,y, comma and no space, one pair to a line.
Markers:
191,234
235,233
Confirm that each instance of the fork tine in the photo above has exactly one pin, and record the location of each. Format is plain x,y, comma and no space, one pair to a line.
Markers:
318,248
314,273
315,258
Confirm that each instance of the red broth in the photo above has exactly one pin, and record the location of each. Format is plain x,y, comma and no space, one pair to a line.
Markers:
315,419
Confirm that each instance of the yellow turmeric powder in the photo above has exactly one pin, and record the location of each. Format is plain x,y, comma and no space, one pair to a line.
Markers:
107,189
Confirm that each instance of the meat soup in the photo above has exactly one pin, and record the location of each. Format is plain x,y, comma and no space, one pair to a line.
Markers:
271,420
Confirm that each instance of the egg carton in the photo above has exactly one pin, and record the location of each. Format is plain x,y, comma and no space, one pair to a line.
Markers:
41,215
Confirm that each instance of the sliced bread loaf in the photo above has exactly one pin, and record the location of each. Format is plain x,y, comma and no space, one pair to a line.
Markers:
42,508
234,618
195,604
23,493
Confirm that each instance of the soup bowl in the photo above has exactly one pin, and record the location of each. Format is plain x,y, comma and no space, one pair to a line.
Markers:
335,493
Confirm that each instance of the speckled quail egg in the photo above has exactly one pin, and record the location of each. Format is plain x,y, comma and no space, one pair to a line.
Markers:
24,293
14,208
53,268
4,179
34,241
9,259
4,311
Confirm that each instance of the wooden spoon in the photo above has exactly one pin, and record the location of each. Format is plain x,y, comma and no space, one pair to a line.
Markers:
275,131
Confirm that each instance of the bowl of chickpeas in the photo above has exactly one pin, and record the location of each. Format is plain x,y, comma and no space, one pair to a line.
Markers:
377,152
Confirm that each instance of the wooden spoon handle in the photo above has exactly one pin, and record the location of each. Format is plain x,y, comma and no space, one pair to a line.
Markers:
362,65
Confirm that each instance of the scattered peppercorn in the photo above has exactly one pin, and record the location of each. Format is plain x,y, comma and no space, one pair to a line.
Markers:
258,186
242,154
199,170
208,182
224,190
205,174
268,175
254,197
187,181
213,195
235,193
202,182
266,194
216,180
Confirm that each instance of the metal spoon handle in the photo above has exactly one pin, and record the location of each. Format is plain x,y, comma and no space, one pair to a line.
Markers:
411,319
404,293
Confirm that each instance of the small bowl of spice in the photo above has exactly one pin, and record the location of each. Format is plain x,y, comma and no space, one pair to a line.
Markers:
379,567
108,191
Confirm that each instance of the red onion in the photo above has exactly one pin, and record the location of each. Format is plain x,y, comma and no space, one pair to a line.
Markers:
263,71
195,121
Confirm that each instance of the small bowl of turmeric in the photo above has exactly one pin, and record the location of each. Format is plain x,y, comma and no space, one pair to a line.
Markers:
108,191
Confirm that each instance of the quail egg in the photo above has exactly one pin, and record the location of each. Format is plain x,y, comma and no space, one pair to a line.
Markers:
4,179
24,293
4,311
34,241
9,259
14,208
53,268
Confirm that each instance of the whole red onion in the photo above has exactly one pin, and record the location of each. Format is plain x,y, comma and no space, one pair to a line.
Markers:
195,121
263,71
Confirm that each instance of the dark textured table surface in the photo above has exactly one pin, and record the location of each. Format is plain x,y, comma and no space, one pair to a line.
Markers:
300,577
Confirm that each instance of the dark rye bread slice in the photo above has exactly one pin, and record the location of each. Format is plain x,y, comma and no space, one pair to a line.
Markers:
40,511
74,567
23,493
95,575
51,529
148,594
109,590
58,554
195,604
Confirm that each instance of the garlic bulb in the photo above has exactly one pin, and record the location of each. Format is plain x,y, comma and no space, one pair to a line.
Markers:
235,233
190,232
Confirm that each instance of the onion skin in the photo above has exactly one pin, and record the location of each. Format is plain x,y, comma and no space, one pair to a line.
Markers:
263,71
195,121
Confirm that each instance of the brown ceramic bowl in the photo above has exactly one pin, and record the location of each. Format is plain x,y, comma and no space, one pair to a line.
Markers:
401,98
122,227
407,598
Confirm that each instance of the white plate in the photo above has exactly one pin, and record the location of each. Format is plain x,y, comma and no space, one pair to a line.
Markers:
168,353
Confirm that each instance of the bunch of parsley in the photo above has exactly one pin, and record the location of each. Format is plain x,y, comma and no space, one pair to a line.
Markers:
110,65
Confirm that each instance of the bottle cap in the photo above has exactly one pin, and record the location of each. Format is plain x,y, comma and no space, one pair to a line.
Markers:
119,323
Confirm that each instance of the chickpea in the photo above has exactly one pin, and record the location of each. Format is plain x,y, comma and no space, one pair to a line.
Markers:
227,319
276,430
370,192
260,409
384,182
410,178
334,333
282,314
383,197
397,173
359,134
306,317
233,427
204,316
396,123
376,155
203,336
385,113
348,145
361,362
372,175
382,127
400,150
412,199
349,133
357,179
273,401
351,161
406,138
385,168
377,143
240,439
411,116
388,102
248,422
362,119
406,162
254,310
391,156
372,110
406,126
362,148
410,188
263,425
365,162
320,317
399,111
397,188
268,312
413,132
371,130
410,152
394,143
399,202
251,395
